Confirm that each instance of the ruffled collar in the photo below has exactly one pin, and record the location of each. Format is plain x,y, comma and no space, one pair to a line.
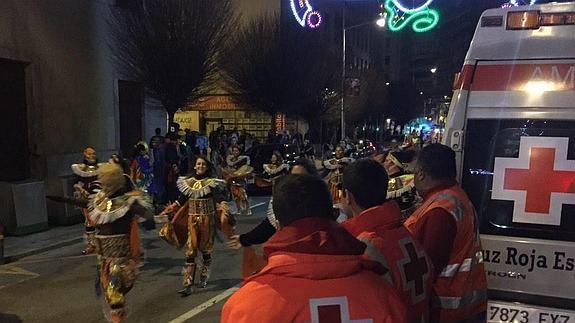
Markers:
198,188
103,209
273,169
336,163
84,170
240,159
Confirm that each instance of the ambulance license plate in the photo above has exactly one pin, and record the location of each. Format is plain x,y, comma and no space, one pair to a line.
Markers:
502,312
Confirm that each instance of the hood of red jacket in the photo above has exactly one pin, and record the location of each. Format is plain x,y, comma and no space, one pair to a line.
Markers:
386,216
313,248
318,236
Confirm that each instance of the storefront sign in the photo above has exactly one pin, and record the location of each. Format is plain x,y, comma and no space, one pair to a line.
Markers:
216,103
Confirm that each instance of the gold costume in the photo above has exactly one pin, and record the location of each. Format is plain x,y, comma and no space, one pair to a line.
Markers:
402,189
194,223
235,174
335,176
117,246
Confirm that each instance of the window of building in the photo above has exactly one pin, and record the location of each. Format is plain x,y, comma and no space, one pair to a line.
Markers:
387,60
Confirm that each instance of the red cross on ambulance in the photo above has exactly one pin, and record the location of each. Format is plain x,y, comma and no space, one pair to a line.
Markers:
539,181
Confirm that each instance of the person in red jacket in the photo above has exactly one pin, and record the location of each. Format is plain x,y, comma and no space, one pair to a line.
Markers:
315,272
446,225
378,223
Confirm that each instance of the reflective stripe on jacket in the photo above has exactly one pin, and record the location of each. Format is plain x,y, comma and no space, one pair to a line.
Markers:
460,289
389,243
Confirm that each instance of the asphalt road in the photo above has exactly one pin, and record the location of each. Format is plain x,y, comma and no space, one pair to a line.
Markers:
58,286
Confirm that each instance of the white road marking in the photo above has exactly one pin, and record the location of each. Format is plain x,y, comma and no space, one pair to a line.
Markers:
256,205
207,304
213,301
15,270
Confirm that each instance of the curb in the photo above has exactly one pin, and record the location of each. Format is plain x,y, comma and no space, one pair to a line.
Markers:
12,258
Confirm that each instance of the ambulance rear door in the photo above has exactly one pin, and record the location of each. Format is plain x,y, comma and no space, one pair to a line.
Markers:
519,171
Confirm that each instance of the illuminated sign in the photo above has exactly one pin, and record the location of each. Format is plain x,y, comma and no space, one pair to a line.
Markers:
304,13
516,3
398,13
418,15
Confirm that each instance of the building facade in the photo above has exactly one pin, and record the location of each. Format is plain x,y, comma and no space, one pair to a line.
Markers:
64,95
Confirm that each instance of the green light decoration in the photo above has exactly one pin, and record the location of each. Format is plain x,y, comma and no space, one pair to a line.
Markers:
421,20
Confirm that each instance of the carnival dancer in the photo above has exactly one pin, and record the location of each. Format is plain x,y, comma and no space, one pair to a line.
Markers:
307,150
114,211
86,184
141,169
272,171
252,262
238,168
401,186
201,209
335,166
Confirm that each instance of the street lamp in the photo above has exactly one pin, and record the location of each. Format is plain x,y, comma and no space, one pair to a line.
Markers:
433,70
380,23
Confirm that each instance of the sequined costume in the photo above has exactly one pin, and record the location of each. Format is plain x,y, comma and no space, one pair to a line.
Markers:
117,243
402,189
199,212
238,168
141,173
86,184
334,178
401,185
271,172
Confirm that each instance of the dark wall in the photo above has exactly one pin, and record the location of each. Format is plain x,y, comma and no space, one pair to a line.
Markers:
14,154
131,103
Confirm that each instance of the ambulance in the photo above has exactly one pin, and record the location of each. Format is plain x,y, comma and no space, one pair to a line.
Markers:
512,125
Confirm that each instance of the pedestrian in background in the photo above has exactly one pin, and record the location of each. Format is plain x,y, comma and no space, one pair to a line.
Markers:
172,166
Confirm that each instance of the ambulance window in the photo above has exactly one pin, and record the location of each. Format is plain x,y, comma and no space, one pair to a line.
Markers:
489,139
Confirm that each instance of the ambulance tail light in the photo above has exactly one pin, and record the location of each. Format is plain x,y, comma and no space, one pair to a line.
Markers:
558,18
520,20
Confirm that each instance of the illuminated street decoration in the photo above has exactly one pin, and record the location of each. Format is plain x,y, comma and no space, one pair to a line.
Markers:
304,13
414,7
314,19
418,15
516,3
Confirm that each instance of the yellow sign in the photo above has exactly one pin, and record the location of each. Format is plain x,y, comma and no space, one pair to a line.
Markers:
188,120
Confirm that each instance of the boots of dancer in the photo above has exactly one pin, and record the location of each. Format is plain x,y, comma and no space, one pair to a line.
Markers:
188,272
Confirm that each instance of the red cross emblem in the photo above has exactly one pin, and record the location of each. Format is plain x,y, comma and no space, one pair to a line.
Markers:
332,310
539,181
414,270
